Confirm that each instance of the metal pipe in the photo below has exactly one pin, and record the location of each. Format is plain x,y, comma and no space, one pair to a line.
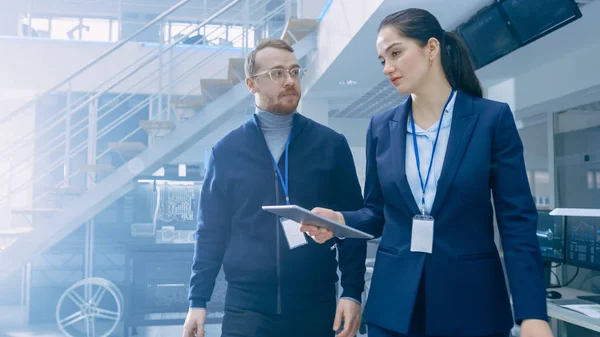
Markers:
120,17
67,167
160,71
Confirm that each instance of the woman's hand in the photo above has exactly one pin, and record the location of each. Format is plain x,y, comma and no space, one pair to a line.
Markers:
535,328
322,235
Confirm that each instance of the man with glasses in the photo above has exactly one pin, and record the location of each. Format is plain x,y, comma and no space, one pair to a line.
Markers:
280,282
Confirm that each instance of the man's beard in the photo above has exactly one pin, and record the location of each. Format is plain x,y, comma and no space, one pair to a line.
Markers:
274,107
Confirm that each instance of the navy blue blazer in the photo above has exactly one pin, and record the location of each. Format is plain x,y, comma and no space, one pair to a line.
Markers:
465,288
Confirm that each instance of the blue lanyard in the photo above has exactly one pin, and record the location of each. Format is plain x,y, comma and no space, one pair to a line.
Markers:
414,135
284,183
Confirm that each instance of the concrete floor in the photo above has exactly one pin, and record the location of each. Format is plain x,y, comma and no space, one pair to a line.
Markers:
213,330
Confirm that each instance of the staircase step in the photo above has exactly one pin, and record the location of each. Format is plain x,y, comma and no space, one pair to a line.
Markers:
187,106
15,231
67,190
297,29
236,70
214,88
97,168
127,149
122,181
28,211
157,128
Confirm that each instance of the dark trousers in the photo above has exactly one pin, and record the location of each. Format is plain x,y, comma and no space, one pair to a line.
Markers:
314,322
375,331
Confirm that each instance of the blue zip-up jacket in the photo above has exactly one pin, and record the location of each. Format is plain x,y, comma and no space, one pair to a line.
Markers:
262,273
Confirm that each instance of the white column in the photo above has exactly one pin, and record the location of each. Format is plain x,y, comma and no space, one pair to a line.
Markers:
360,162
503,92
315,109
9,18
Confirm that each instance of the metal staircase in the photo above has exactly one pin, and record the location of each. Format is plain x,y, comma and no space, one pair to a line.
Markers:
69,153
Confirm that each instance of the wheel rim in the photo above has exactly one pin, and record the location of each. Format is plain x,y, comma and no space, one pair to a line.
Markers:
92,307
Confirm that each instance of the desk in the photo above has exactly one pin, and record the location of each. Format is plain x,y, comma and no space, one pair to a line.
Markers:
569,296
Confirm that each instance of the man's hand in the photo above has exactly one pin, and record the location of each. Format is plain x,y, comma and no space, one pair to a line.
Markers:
194,323
322,235
535,328
350,311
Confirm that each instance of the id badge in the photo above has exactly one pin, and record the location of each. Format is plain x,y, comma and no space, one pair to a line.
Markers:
422,234
294,236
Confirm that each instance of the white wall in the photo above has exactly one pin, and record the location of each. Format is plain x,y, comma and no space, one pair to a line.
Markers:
9,18
355,131
535,146
339,26
38,64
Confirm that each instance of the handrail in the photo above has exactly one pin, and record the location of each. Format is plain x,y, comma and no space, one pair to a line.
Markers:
47,150
107,128
92,97
97,59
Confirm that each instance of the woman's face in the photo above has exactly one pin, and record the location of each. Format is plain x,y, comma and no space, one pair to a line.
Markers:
405,63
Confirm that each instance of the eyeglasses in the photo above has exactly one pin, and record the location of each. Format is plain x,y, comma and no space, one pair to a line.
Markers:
279,74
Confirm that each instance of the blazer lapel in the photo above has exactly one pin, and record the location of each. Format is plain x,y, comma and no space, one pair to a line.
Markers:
463,124
398,149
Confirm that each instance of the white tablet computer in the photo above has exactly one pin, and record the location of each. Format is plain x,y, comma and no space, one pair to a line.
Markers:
304,216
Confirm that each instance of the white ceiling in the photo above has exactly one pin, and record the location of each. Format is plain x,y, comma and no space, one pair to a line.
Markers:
358,61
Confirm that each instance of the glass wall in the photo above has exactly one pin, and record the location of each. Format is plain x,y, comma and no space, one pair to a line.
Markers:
535,147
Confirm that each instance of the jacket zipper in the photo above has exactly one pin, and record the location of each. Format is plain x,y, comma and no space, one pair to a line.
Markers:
277,221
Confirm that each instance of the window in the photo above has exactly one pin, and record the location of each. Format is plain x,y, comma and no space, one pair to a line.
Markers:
590,180
216,34
40,24
598,180
115,30
535,145
95,30
72,28
236,36
66,29
176,30
39,27
251,38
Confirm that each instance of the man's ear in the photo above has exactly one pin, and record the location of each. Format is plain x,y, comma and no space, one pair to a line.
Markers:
251,84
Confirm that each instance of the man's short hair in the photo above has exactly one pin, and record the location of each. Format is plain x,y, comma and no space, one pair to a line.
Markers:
250,63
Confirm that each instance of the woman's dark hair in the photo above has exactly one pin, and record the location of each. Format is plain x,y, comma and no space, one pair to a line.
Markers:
420,25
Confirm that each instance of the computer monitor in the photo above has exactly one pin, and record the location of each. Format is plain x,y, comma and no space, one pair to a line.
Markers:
488,36
532,19
551,236
583,242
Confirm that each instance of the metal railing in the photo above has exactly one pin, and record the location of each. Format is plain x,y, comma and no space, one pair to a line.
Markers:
105,86
72,130
95,61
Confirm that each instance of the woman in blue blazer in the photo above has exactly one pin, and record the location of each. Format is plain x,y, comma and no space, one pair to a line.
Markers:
434,164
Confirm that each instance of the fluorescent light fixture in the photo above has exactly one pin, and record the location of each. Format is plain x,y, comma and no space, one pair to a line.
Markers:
348,82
